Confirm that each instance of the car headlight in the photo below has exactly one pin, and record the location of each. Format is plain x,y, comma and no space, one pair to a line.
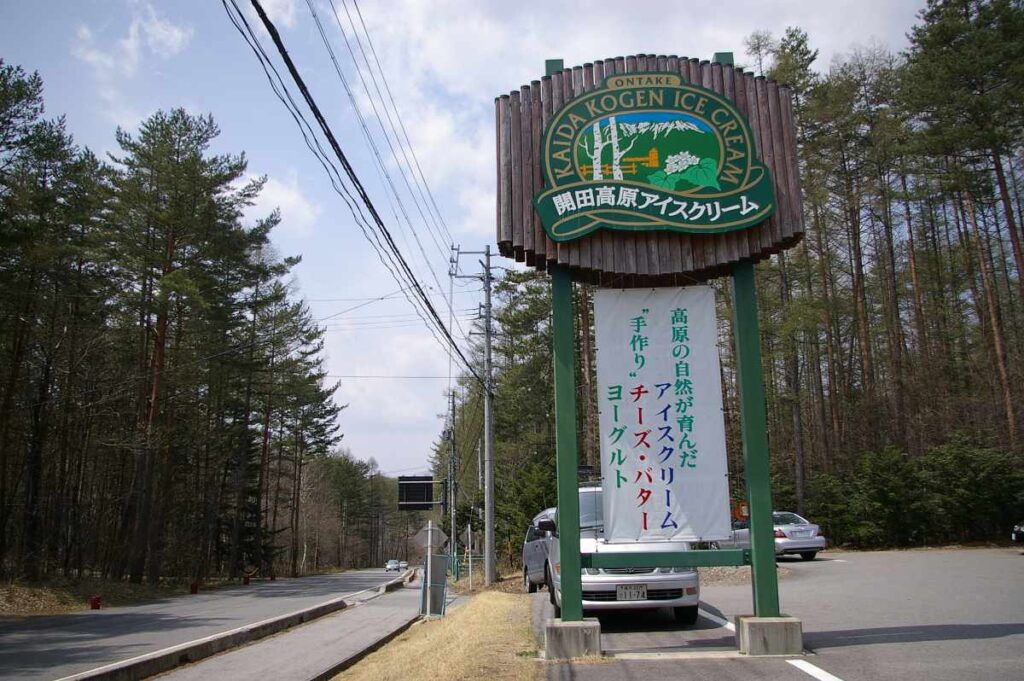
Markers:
664,570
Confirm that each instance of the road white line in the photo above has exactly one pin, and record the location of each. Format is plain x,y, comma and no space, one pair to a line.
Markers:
816,672
719,621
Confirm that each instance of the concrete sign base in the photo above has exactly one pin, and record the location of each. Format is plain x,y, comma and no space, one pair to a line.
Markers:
566,640
769,635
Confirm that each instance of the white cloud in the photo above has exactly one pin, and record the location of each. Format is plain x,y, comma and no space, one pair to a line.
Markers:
163,38
113,67
299,214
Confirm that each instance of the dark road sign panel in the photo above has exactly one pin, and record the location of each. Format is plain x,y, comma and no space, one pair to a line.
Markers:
415,492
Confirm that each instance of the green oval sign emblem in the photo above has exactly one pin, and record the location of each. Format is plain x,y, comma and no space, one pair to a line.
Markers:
649,152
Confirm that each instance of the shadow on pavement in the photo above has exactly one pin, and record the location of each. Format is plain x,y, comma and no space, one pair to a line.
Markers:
72,639
909,634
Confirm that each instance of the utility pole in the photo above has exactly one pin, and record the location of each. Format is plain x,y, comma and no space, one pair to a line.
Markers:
452,467
479,465
490,574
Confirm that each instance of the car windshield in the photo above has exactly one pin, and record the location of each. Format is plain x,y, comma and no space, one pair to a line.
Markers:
786,518
591,509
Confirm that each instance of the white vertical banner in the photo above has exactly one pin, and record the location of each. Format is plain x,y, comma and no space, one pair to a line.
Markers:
663,462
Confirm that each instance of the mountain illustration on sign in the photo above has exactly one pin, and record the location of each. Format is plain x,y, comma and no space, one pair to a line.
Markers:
669,150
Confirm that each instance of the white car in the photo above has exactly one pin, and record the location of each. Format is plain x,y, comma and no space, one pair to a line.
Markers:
793,535
392,564
632,588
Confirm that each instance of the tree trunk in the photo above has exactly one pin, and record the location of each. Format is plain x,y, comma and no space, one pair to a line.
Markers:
995,320
1011,223
598,149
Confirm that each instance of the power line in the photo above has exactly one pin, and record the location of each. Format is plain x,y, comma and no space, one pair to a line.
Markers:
377,227
381,167
378,376
387,138
353,178
387,113
401,123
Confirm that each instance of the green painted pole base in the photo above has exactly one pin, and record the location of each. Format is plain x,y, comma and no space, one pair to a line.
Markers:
755,440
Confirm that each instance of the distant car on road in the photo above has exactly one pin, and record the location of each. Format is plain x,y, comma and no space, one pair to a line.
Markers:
793,535
392,565
535,551
1018,532
403,565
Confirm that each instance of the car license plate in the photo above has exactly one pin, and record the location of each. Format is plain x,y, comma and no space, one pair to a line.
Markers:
631,592
801,533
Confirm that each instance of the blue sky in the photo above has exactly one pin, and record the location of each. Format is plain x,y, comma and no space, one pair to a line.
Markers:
109,63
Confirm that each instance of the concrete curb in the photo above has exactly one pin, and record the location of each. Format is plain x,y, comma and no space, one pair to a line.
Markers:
396,583
164,660
356,657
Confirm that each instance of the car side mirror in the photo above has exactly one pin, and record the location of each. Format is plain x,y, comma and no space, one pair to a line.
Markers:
546,525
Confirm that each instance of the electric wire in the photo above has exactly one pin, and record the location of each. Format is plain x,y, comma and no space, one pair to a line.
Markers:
386,249
384,132
401,123
354,180
381,167
387,113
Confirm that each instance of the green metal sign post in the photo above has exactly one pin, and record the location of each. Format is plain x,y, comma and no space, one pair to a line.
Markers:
566,456
755,440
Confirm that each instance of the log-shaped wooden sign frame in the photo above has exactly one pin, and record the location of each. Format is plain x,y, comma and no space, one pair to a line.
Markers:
654,258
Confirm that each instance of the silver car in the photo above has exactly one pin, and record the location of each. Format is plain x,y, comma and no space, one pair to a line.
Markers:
793,535
535,550
632,588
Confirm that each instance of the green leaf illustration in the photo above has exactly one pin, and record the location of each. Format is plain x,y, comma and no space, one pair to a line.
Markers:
659,179
666,181
704,174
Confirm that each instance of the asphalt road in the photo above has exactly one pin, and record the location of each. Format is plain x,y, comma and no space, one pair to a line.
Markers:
54,647
935,615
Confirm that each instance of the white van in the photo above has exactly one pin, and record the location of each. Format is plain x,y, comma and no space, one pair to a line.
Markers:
535,550
631,588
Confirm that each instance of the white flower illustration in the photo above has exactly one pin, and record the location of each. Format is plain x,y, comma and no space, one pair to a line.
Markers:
679,162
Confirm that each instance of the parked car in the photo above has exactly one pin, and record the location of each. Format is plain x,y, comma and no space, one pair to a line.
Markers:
535,551
793,535
632,588
1018,532
392,565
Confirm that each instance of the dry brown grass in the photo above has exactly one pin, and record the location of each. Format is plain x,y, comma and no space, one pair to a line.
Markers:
510,583
60,596
487,638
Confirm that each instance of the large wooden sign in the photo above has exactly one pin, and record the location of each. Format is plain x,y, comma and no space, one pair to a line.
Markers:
647,171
